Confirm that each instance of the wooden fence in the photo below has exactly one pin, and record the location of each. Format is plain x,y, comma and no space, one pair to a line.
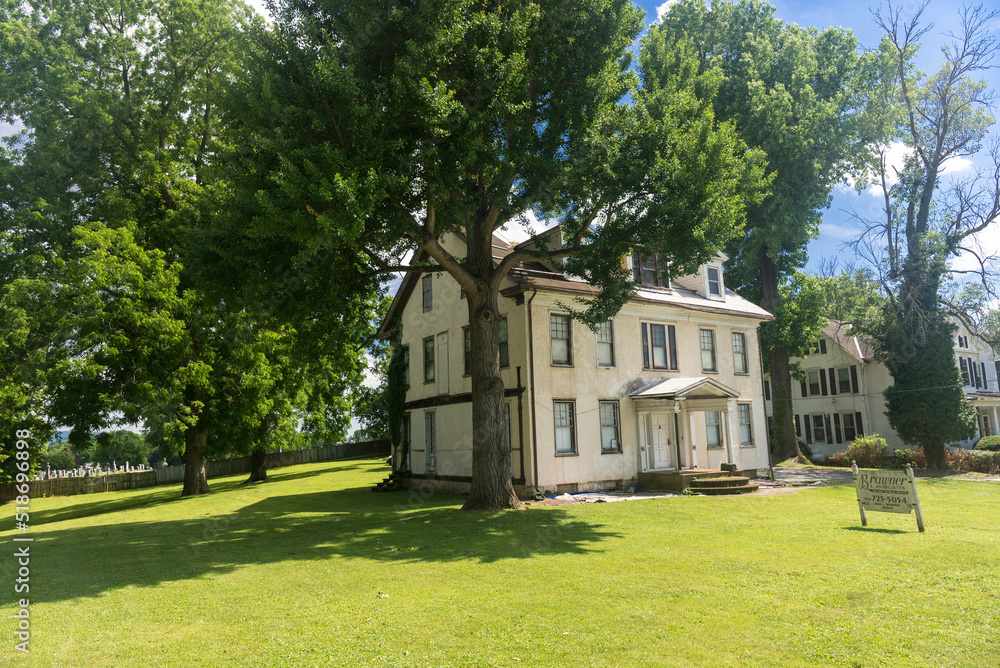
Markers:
169,474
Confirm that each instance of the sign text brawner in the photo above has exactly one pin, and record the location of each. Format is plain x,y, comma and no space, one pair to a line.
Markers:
887,492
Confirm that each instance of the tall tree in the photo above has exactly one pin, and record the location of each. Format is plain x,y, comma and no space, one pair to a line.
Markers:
791,92
373,129
927,221
105,205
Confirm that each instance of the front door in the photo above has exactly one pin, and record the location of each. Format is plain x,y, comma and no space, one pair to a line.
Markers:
661,441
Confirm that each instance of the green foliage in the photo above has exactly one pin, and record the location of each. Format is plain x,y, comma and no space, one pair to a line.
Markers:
937,116
120,446
798,318
868,452
913,458
852,296
990,443
363,132
59,460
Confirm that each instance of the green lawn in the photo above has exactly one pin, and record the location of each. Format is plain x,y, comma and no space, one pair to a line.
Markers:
312,569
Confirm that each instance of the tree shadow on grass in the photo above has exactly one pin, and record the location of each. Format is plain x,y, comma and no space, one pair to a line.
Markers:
345,523
131,499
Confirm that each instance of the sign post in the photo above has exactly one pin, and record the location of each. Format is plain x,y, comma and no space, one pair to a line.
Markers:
887,492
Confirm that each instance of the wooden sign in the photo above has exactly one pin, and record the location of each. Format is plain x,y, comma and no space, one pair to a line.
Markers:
887,492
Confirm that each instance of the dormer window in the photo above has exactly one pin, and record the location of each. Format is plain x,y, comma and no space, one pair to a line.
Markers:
650,270
713,282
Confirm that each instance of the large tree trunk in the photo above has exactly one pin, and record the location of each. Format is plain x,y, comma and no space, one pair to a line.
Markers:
195,480
258,466
492,488
785,440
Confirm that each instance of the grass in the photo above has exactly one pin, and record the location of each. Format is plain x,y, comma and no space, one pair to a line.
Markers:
312,569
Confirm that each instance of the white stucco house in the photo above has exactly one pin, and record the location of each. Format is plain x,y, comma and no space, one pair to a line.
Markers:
673,382
841,396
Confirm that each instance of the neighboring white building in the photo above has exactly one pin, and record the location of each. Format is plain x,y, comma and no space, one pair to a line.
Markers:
672,382
841,396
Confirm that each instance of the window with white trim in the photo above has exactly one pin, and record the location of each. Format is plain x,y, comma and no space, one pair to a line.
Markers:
610,437
818,428
740,364
713,435
746,433
560,332
814,385
659,347
564,422
850,430
605,344
844,380
429,359
714,278
706,337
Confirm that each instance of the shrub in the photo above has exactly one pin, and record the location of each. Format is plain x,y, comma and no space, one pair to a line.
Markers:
839,459
990,443
914,458
974,461
869,452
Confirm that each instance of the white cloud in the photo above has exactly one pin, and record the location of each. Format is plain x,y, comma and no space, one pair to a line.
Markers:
956,164
661,10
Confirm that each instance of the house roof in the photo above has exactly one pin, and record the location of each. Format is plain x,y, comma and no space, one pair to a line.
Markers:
533,275
684,388
840,333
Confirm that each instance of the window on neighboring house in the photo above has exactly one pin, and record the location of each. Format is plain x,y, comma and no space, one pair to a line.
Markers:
430,441
819,347
429,359
502,337
964,366
977,377
713,435
467,337
405,354
559,331
819,429
714,282
659,347
740,365
426,286
707,339
605,344
565,427
610,438
650,270
813,377
844,380
850,431
767,390
746,433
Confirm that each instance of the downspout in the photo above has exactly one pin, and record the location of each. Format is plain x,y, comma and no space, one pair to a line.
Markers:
760,361
531,379
520,423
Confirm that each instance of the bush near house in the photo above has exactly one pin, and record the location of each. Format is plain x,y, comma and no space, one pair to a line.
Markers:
975,461
914,458
869,451
989,443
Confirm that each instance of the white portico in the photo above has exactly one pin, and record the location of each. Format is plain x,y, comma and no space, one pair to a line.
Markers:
686,423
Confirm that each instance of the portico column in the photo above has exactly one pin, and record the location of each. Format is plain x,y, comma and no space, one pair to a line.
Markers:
993,425
729,432
693,439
